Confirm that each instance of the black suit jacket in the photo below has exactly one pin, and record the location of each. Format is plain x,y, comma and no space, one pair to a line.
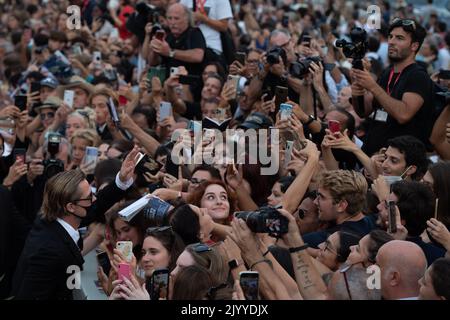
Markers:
49,250
42,270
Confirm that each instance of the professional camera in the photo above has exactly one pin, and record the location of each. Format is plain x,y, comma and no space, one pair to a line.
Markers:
300,69
265,220
274,54
53,166
358,47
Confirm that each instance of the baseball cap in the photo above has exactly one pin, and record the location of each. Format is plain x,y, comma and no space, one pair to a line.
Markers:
49,82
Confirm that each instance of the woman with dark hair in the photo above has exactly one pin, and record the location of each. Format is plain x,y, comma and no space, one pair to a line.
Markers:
217,198
336,249
366,250
192,283
278,190
438,178
160,249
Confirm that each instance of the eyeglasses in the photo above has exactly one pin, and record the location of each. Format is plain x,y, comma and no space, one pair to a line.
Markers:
158,229
404,22
49,115
301,213
327,247
200,247
89,198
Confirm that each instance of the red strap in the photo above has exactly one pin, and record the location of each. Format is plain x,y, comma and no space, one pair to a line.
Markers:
391,74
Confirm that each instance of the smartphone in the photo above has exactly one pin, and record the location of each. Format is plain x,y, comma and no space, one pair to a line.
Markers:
20,101
126,248
97,57
188,79
281,94
249,281
306,40
113,111
174,71
139,157
19,153
285,21
103,261
240,57
35,87
124,271
165,110
171,167
235,82
68,97
160,35
334,126
159,72
158,285
285,111
392,224
76,49
91,156
157,210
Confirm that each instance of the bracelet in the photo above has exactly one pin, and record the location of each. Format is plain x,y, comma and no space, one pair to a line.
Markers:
310,120
266,253
297,249
260,261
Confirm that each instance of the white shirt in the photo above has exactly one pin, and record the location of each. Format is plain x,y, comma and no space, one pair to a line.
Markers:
74,234
216,10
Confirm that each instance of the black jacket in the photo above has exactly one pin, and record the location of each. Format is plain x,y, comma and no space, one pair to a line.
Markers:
42,271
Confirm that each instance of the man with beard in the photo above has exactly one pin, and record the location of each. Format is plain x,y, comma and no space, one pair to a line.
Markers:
400,103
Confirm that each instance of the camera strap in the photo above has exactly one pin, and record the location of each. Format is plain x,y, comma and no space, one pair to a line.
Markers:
391,75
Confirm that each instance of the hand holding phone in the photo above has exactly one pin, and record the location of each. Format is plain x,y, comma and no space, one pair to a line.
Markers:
285,111
20,154
126,248
165,110
392,222
160,35
249,281
124,271
240,57
158,286
334,126
20,101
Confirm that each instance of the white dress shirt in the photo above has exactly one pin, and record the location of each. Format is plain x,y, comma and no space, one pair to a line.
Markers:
74,234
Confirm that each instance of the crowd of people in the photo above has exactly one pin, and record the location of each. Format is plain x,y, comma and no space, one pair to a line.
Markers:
356,119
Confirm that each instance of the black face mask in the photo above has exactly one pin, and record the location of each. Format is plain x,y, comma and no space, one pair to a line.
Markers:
87,208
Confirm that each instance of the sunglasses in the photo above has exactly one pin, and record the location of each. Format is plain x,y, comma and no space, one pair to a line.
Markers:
200,247
158,229
49,115
405,23
197,181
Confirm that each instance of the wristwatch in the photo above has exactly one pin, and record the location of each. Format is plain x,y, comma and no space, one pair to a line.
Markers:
310,119
233,264
171,53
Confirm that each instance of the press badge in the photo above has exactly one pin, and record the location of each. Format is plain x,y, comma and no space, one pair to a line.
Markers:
381,116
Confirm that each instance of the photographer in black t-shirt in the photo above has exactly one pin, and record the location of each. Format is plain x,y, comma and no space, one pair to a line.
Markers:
400,103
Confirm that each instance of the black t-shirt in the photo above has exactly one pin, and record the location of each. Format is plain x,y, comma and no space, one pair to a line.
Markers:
412,79
192,38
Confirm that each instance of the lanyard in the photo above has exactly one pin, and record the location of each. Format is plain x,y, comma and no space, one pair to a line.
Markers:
391,74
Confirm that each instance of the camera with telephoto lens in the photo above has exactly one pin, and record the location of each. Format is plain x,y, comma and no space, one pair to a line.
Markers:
300,69
274,54
53,166
357,48
265,220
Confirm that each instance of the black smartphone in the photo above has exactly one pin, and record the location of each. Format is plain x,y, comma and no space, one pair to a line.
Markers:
158,285
20,101
285,21
306,40
171,168
281,95
391,220
35,87
241,56
103,261
19,153
249,281
190,80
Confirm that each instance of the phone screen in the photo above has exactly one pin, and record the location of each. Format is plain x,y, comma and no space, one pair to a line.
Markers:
159,284
20,101
334,126
249,284
165,110
103,261
19,153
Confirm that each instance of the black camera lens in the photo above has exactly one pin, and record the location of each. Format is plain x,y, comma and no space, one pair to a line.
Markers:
274,54
265,220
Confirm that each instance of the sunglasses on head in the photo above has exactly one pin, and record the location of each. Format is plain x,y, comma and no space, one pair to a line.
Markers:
158,229
200,247
404,22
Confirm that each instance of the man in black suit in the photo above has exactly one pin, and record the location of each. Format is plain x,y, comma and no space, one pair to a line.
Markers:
51,256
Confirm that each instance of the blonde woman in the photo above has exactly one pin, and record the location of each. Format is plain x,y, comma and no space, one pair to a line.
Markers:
81,139
80,119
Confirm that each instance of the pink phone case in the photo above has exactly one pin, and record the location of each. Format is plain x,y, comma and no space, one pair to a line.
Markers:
124,271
